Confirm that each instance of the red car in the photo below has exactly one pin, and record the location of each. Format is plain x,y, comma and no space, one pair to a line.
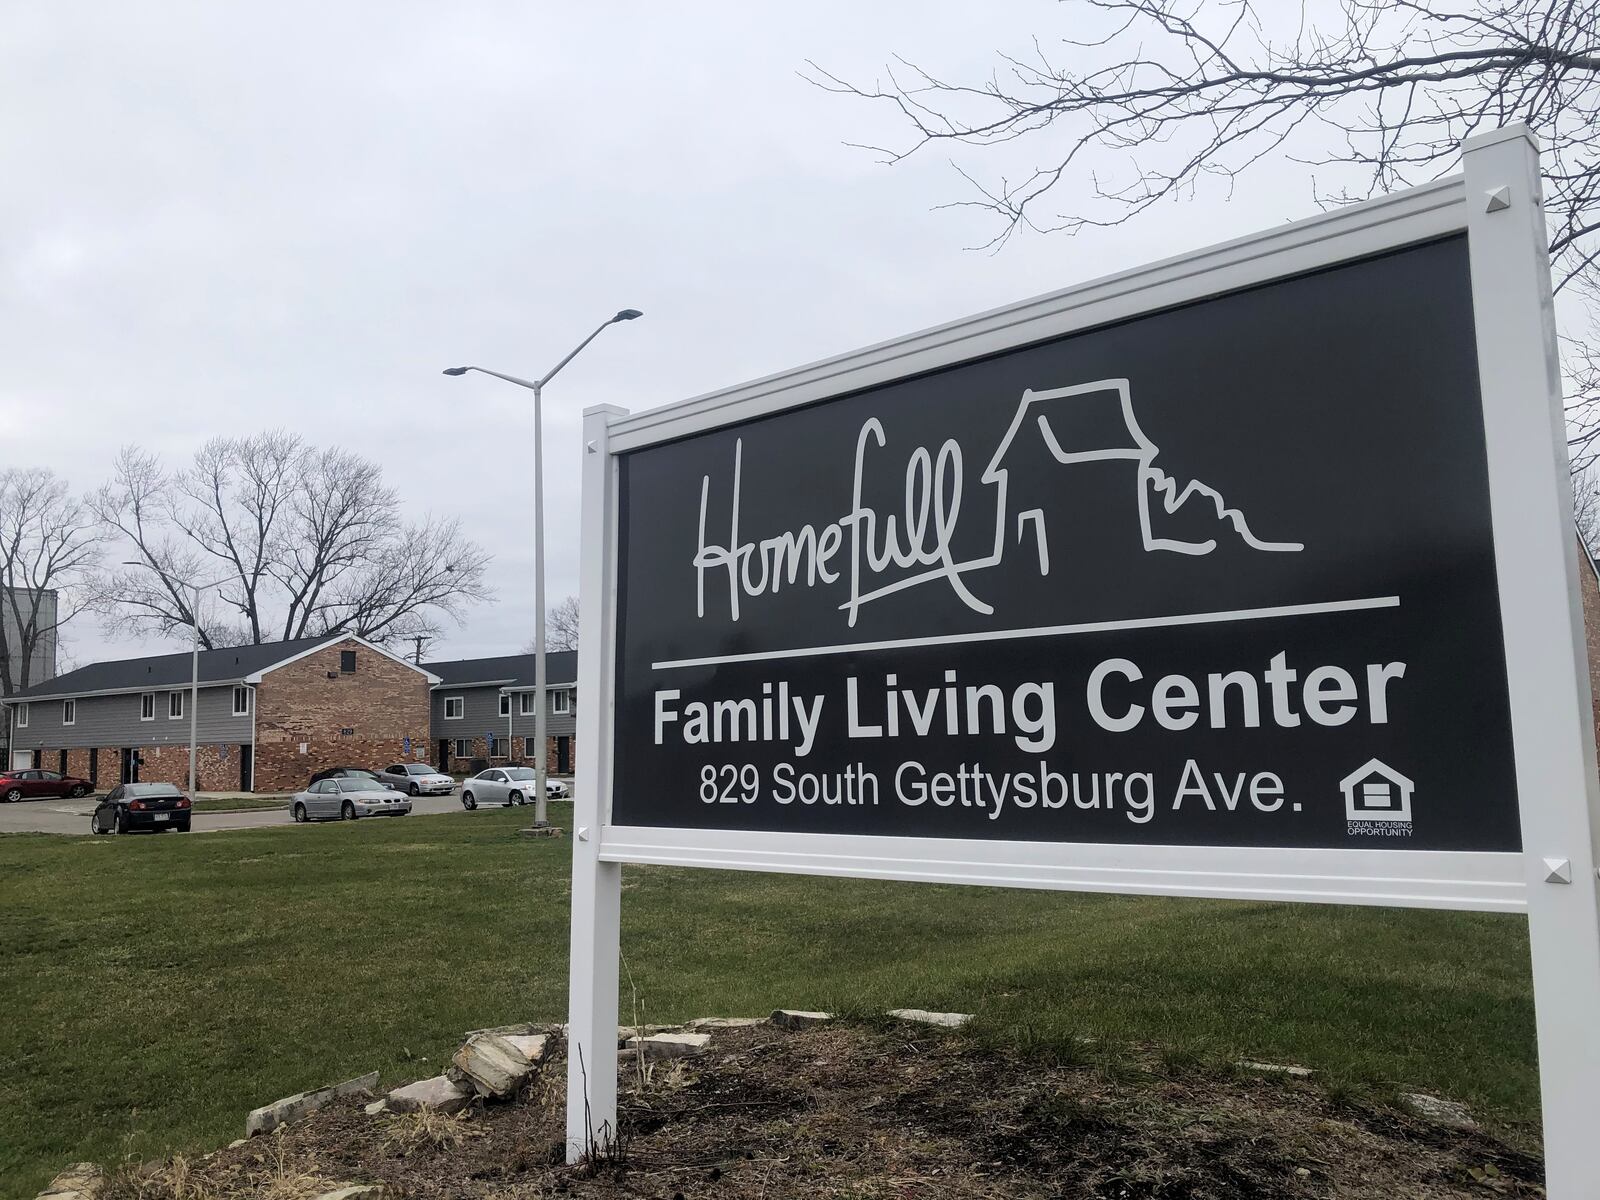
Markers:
26,785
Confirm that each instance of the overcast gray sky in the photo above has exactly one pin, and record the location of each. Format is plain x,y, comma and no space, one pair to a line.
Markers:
224,218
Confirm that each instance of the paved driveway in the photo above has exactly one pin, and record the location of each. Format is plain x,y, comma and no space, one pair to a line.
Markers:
72,816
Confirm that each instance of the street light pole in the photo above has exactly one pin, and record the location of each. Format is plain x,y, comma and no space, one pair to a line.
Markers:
540,812
194,684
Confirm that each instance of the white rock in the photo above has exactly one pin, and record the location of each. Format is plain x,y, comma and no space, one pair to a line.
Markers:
530,1045
724,1022
624,1032
924,1017
669,1045
79,1181
237,1142
292,1108
376,1107
1449,1113
1274,1068
519,1029
356,1191
438,1094
798,1018
493,1065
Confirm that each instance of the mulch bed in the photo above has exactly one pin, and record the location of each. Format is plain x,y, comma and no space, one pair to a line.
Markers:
901,1113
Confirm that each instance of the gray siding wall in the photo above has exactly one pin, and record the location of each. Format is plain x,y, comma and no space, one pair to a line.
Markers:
114,721
482,709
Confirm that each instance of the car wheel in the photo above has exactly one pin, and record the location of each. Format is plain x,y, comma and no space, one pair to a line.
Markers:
184,828
78,792
122,822
96,825
413,791
299,814
13,795
468,802
516,798
348,812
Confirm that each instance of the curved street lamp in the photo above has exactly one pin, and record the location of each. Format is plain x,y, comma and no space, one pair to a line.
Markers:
540,814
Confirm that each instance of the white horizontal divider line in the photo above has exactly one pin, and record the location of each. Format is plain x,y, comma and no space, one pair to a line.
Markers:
1042,631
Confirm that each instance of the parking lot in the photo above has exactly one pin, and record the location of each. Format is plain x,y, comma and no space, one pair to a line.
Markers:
72,816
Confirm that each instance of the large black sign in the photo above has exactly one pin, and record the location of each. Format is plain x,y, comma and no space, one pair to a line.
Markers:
1220,575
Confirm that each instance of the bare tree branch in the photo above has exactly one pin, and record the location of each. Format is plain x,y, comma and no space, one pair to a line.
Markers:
306,542
560,627
1166,97
49,541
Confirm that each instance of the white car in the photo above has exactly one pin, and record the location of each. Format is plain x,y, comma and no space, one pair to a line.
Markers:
345,800
417,779
507,786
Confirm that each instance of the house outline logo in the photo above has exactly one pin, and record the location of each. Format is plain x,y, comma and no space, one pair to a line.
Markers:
1375,791
885,553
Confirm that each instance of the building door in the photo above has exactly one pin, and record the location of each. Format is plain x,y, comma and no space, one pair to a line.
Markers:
94,765
130,764
443,765
247,768
563,756
61,769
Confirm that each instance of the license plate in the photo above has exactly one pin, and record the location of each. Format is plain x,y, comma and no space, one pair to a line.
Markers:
162,816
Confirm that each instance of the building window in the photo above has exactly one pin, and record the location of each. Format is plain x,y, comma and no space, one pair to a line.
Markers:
561,702
241,702
22,716
69,712
505,704
527,704
455,707
147,707
347,662
463,750
174,705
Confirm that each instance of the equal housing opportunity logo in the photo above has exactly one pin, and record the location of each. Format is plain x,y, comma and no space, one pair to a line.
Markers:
1377,801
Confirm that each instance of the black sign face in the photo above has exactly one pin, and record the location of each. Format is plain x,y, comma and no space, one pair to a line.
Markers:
1221,575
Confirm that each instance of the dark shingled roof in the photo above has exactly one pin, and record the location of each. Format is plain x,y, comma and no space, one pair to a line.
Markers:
510,670
171,670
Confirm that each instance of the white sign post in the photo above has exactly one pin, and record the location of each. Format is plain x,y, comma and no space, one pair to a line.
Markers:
1546,654
648,670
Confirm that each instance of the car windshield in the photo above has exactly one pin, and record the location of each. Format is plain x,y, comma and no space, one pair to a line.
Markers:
521,773
354,785
150,789
418,769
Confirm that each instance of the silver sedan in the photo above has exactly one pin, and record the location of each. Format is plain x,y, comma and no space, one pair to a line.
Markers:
499,785
345,800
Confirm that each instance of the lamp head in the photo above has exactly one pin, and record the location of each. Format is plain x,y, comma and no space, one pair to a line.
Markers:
627,314
456,370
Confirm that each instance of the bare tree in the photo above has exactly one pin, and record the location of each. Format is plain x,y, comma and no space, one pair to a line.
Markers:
1152,99
560,627
306,541
49,541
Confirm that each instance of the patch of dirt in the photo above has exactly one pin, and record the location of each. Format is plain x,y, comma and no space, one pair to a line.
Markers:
849,1111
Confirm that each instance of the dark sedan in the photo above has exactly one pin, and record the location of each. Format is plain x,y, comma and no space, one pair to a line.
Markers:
152,806
360,773
28,785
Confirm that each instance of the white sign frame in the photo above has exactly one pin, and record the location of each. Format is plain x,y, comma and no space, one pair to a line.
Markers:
1496,202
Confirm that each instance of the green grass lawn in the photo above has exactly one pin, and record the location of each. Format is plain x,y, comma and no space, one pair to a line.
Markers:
155,989
237,803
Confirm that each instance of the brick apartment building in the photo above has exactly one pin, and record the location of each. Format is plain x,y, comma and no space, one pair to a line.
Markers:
269,715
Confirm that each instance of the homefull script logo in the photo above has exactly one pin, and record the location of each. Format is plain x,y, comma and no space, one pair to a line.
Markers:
885,554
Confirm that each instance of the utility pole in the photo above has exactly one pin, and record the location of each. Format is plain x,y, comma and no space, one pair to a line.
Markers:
417,657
